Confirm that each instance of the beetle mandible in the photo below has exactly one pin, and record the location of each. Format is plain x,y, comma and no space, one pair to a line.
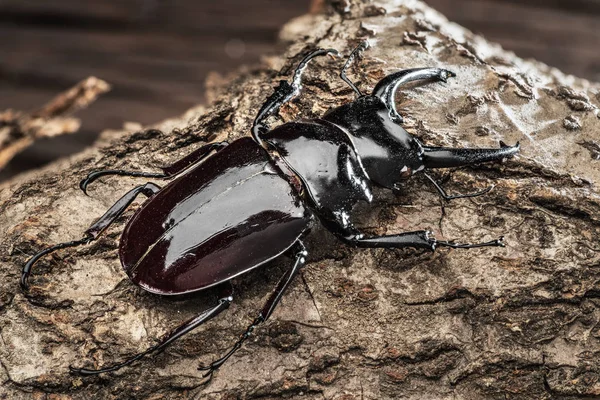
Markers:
232,207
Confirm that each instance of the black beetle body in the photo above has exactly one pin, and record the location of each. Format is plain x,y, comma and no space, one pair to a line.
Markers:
200,230
226,213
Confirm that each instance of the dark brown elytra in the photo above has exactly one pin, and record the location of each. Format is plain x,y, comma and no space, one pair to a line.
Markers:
233,207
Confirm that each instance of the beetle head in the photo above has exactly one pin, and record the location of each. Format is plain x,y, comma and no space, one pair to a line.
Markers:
388,153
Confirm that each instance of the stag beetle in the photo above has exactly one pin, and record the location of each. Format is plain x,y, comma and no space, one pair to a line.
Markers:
233,207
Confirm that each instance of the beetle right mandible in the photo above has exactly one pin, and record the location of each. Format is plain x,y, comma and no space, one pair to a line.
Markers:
233,207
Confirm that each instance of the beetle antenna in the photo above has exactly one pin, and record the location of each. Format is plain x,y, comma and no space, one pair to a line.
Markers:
448,197
356,52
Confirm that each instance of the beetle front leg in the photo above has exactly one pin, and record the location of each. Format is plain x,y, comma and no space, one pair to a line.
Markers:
92,233
168,171
226,297
300,256
447,157
416,239
284,93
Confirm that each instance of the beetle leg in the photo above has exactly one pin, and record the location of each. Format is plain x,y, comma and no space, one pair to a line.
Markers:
92,176
300,255
446,157
93,231
283,94
359,49
386,88
168,171
226,297
417,239
447,197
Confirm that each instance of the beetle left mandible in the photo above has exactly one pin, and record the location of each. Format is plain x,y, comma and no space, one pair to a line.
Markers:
233,207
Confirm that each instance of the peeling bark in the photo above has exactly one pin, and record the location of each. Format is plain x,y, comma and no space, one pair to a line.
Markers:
518,322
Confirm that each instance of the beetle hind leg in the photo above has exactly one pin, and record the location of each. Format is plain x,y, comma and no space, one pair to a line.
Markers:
168,172
93,231
225,299
92,176
300,256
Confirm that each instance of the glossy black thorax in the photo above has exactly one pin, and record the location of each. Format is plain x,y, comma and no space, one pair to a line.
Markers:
388,152
326,162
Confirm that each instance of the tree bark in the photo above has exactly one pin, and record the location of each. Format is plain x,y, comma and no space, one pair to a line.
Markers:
518,322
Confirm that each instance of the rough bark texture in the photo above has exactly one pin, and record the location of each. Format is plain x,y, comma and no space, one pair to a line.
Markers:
514,322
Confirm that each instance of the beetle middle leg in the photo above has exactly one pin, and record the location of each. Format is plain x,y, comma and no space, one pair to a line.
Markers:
92,233
447,157
416,239
168,172
300,254
225,299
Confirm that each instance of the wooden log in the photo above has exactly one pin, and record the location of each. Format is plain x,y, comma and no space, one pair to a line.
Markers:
517,322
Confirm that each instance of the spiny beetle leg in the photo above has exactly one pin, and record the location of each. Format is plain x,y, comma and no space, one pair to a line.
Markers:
300,259
92,176
417,239
226,297
169,171
447,197
447,157
93,231
283,94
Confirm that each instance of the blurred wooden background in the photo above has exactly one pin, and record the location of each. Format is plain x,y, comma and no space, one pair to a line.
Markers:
156,53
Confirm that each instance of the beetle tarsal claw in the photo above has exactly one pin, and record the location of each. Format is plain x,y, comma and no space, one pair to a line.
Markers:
445,74
83,185
333,53
210,370
209,374
500,242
